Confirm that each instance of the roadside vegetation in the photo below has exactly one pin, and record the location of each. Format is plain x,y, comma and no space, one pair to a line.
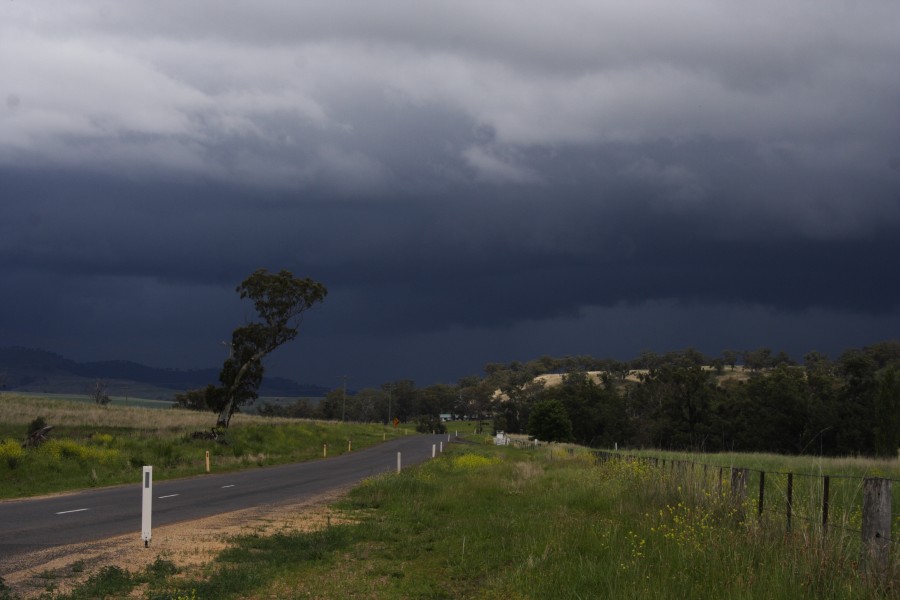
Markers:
488,522
94,445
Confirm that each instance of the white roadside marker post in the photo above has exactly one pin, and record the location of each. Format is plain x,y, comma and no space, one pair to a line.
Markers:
398,462
147,506
442,447
433,449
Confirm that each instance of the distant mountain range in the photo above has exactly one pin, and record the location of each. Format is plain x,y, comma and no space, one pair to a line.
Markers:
32,370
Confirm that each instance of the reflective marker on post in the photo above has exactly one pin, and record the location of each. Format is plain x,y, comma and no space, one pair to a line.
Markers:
147,505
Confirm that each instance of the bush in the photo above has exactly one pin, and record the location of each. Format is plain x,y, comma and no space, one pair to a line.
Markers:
69,449
11,452
428,424
36,425
102,439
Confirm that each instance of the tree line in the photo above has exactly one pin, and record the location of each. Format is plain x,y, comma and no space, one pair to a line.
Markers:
748,401
684,401
680,400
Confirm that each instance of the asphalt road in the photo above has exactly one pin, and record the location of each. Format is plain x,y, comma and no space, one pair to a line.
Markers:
29,525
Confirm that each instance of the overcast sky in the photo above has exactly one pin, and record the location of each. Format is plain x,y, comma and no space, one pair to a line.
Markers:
473,181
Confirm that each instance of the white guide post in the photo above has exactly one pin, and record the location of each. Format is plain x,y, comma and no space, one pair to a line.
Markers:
147,505
433,450
398,462
442,447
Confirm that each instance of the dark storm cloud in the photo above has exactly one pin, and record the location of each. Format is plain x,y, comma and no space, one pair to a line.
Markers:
508,177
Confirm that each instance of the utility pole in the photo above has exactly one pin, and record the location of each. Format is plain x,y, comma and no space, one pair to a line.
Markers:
390,394
344,400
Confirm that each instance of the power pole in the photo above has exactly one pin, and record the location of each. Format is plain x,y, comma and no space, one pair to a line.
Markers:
390,394
344,400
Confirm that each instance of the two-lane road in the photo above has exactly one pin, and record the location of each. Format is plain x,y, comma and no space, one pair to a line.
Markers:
28,525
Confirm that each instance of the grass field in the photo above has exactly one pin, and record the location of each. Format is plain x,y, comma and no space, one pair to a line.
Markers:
484,522
93,445
479,522
84,398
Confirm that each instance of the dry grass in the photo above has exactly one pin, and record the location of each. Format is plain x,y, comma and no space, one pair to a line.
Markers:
633,376
21,410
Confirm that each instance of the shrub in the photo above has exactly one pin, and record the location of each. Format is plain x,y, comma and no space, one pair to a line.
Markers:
11,452
103,439
472,462
70,449
36,425
429,424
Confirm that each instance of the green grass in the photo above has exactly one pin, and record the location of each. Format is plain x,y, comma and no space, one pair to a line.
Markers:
480,522
845,493
496,523
805,464
94,446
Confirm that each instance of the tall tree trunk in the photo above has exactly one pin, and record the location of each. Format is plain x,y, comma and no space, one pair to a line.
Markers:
227,411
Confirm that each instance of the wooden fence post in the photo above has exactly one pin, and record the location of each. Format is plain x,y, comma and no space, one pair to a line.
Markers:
876,526
762,493
790,499
739,476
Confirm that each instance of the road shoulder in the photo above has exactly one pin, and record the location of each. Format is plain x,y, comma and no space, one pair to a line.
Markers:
189,544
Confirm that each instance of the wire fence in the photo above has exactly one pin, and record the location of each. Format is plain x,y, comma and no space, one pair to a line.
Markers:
860,512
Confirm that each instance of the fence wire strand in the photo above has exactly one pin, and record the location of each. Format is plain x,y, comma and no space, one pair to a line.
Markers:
834,511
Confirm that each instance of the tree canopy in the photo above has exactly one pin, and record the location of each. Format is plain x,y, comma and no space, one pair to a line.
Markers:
280,300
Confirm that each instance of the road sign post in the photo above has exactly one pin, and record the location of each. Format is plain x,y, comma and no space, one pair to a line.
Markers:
147,505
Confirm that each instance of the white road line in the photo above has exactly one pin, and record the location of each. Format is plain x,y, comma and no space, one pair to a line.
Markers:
169,496
227,486
65,512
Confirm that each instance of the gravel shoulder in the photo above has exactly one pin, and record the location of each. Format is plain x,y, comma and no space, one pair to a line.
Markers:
189,544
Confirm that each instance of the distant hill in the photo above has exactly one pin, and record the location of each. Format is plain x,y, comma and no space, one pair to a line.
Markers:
33,370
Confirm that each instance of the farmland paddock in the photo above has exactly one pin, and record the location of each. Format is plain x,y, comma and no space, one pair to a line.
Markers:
855,513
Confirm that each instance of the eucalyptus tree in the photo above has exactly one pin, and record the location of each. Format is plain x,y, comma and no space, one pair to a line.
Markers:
280,300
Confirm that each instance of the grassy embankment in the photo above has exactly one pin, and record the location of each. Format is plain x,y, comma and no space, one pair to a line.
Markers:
499,523
94,446
478,522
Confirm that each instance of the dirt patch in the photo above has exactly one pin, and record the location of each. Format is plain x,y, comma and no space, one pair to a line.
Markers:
190,544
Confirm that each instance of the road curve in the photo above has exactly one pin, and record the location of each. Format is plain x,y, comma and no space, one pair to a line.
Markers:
33,524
